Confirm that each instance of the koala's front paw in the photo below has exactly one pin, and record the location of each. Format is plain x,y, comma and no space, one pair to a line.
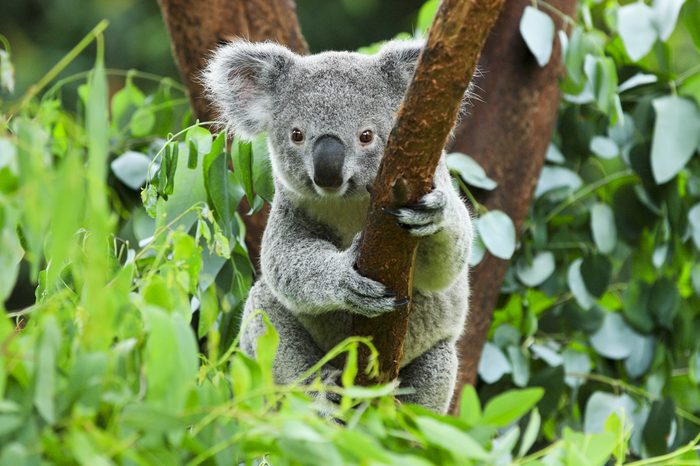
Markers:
368,297
425,217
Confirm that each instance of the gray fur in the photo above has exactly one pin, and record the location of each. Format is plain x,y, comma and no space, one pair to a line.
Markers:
309,286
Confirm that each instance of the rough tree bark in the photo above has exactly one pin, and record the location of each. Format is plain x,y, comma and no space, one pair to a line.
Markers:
197,27
426,117
508,134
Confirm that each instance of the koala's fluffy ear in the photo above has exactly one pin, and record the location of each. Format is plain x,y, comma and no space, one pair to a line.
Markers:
240,81
398,58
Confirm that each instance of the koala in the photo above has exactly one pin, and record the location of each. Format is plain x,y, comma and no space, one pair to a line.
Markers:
327,118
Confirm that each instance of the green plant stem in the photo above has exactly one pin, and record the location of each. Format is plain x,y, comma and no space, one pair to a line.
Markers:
619,384
591,188
479,207
566,18
692,446
61,65
115,72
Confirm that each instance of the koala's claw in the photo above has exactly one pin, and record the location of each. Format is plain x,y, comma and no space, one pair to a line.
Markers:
425,217
368,297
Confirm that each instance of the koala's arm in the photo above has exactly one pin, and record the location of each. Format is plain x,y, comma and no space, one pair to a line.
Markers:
309,274
441,258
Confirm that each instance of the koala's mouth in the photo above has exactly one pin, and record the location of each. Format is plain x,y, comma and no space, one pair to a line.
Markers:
348,188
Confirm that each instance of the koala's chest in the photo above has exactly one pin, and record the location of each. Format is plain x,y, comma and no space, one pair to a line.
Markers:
344,219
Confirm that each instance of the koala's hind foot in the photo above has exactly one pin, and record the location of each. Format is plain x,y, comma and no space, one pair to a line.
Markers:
432,377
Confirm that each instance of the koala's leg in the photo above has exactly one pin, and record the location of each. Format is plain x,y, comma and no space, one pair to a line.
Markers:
432,376
296,352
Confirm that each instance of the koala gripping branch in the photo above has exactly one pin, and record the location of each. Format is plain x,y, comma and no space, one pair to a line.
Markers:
427,115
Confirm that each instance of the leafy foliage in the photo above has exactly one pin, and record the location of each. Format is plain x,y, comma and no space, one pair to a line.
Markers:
125,216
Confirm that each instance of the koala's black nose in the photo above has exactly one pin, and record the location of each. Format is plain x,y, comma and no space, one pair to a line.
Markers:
329,156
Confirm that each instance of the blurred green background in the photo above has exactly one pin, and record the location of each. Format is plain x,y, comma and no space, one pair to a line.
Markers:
42,31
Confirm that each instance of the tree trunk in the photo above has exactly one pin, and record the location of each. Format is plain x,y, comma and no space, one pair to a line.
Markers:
426,116
508,134
197,27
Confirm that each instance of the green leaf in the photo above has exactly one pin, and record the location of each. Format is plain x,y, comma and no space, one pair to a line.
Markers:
604,148
469,406
142,122
243,166
426,15
507,407
223,193
537,30
663,301
451,439
694,222
11,254
601,405
639,79
596,271
45,382
531,432
469,170
188,191
534,274
658,426
603,227
695,278
520,363
561,179
262,168
170,359
666,15
635,23
267,349
676,136
577,364
493,364
691,20
578,287
497,231
640,359
131,168
615,339
124,102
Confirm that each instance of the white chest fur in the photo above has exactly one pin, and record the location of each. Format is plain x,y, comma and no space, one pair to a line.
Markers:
345,216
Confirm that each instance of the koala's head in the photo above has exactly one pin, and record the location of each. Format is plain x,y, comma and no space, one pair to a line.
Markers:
327,116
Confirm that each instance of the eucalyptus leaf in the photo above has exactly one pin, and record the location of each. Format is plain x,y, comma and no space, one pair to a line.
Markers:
493,364
541,268
604,148
577,366
557,178
676,136
635,23
578,286
469,170
666,15
694,222
497,232
639,79
537,30
131,168
603,227
615,339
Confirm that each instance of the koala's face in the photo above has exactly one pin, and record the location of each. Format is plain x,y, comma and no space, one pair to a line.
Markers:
327,116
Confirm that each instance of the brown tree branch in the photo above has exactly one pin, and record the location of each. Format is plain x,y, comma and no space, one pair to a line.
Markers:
197,27
426,117
508,134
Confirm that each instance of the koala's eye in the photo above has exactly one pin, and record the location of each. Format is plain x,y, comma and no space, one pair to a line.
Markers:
297,135
366,136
